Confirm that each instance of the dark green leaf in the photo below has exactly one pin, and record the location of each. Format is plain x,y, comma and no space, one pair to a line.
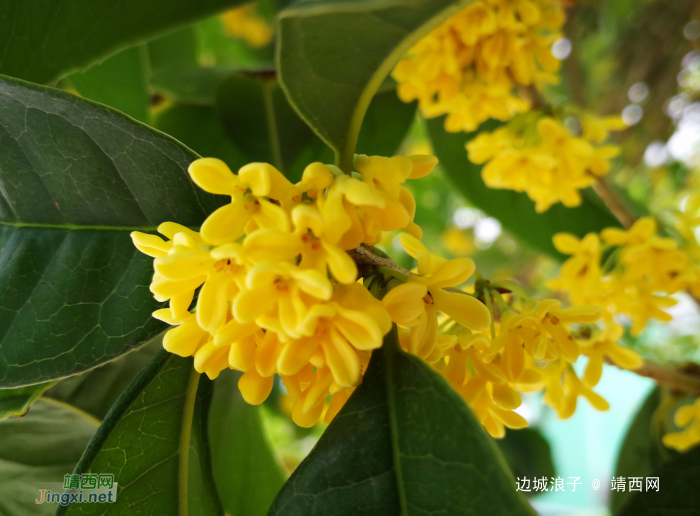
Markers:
527,453
679,484
386,124
16,402
42,42
404,444
119,82
245,469
177,48
147,444
221,49
76,178
190,84
37,450
260,121
200,128
642,449
95,391
514,210
333,56
203,499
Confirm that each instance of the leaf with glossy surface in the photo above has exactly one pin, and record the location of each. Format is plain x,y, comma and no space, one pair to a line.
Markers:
527,453
76,178
333,56
679,484
144,449
514,210
95,391
404,444
43,41
385,125
245,469
36,450
119,82
642,449
16,402
261,122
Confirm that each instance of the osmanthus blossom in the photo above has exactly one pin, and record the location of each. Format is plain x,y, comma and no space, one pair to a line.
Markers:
471,66
278,295
538,156
636,276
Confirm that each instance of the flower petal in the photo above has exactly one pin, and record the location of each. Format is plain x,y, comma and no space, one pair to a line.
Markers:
466,310
226,224
213,175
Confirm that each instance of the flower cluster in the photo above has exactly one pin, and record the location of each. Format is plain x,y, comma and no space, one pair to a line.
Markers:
244,22
531,348
632,272
550,165
277,292
470,67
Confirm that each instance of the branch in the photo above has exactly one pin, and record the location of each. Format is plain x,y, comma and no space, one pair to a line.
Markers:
677,378
365,258
615,204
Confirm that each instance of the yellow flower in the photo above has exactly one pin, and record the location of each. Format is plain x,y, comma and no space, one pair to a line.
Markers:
278,295
416,303
306,241
244,22
564,388
470,66
352,323
689,417
596,129
581,274
550,165
246,212
604,344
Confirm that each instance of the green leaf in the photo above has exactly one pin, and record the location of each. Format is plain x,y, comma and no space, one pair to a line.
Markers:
642,449
95,391
145,442
119,82
41,44
37,450
200,128
190,84
385,125
177,48
679,483
261,122
203,499
514,210
333,56
76,178
404,444
245,468
527,453
16,402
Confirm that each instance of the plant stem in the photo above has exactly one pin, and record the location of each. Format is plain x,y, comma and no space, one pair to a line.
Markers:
684,379
271,120
184,452
615,204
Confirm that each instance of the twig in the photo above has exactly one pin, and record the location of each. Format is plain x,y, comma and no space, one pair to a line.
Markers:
615,204
677,378
365,259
